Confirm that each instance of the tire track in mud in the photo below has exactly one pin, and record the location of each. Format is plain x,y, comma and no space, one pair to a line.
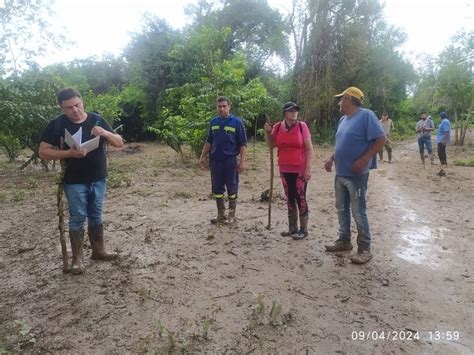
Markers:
428,242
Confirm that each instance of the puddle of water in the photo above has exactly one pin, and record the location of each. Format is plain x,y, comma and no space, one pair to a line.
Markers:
419,245
419,242
410,216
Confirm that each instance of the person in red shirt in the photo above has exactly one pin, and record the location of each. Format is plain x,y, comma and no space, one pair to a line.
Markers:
293,141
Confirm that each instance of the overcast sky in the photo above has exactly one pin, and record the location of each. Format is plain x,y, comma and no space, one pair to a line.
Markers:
100,26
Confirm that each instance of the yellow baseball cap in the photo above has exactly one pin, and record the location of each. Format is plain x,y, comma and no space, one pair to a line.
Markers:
352,91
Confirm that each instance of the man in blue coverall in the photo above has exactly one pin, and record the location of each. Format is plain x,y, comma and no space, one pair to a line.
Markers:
225,140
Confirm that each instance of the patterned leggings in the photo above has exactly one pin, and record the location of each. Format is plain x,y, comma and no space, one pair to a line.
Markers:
295,192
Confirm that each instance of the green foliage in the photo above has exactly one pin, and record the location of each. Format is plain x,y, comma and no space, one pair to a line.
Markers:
32,182
455,83
275,312
151,65
19,195
11,145
117,179
404,119
98,75
107,105
446,83
466,162
28,103
346,43
254,29
188,108
258,310
132,106
404,128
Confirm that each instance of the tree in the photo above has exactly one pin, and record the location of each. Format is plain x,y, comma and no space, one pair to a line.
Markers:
27,105
150,64
446,83
25,34
107,104
455,82
424,93
98,75
188,108
347,44
256,30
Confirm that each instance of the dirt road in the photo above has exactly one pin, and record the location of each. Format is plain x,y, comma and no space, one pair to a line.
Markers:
185,286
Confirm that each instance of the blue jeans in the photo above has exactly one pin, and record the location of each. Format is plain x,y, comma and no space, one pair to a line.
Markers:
85,201
351,192
422,142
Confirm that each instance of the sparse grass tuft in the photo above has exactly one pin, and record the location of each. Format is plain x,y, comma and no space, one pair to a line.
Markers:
32,182
465,162
116,179
19,195
182,194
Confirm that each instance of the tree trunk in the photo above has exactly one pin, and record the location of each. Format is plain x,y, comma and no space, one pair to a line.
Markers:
456,131
464,127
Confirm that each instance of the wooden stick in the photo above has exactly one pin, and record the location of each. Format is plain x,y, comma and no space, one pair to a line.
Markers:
270,194
60,192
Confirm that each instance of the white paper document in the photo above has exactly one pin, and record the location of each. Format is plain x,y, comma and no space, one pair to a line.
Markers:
75,141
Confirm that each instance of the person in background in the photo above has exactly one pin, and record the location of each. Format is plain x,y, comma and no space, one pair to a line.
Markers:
293,141
387,125
443,138
423,128
85,175
226,140
359,138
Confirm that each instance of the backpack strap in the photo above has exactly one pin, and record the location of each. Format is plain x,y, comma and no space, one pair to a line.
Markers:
297,122
278,128
59,127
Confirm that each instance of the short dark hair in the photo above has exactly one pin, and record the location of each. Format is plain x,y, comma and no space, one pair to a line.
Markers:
222,99
67,94
356,102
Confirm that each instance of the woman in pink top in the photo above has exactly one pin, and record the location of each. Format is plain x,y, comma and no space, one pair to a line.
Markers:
293,140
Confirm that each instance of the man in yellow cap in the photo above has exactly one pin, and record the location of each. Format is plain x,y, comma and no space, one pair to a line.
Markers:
359,138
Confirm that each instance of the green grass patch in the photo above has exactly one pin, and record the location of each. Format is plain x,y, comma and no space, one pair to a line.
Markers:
116,179
465,162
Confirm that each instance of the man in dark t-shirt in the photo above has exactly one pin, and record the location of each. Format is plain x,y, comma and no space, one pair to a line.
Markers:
225,140
81,138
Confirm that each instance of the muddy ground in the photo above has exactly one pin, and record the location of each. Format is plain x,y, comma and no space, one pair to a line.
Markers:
183,285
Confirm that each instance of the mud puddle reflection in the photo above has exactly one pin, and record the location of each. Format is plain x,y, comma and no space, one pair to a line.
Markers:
419,241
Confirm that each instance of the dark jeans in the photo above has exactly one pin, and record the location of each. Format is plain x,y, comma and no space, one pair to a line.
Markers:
442,154
224,176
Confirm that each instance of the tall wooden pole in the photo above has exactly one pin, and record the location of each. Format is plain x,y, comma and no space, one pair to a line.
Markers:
270,194
62,238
